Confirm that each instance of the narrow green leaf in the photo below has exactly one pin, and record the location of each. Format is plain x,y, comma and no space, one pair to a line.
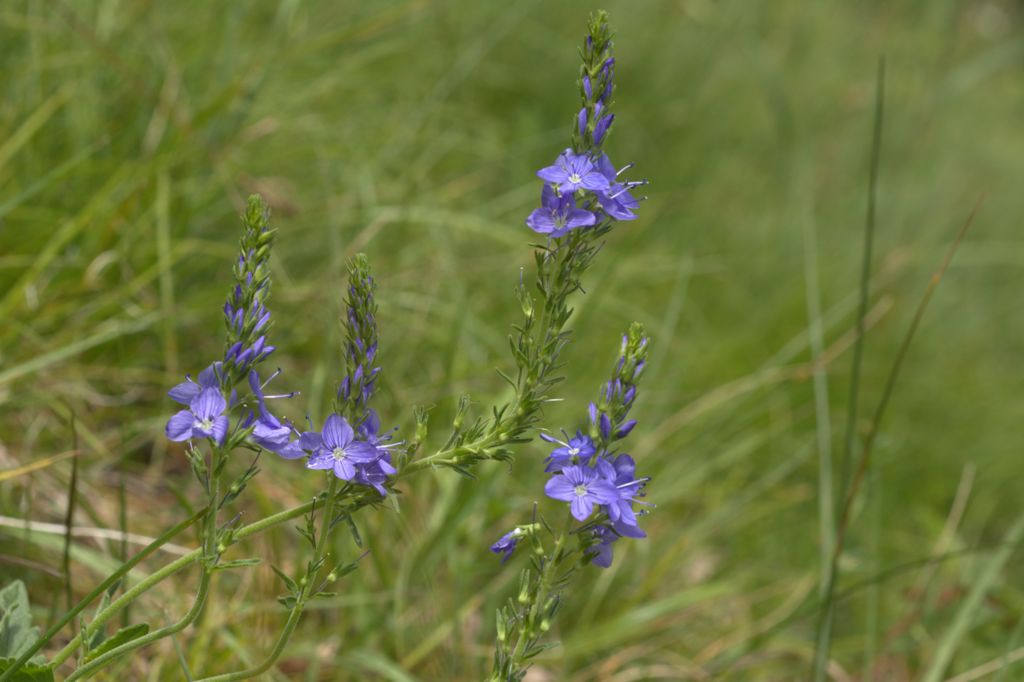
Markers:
236,563
120,637
287,581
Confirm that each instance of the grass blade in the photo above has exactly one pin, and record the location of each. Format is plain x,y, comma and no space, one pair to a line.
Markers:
973,603
823,642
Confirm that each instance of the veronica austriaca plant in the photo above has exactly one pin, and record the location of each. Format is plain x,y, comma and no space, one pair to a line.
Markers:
227,425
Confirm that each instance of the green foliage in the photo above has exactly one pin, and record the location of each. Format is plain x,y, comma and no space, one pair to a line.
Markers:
17,633
120,637
30,672
129,141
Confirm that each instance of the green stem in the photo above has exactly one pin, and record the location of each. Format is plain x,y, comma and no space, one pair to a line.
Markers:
209,549
100,589
531,628
128,597
155,578
300,603
177,565
275,653
167,631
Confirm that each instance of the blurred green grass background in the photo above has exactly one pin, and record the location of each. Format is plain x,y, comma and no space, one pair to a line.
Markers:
131,131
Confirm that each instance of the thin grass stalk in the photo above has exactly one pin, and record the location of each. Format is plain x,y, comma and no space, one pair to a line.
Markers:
825,621
823,640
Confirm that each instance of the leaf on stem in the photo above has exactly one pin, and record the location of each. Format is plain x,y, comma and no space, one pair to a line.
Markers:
122,636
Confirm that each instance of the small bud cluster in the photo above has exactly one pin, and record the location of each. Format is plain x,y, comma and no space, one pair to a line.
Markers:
351,443
210,400
360,348
245,313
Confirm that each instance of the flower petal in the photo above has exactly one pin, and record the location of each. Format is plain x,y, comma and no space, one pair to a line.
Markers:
553,174
560,488
291,451
581,507
360,451
320,460
220,428
184,392
579,217
602,491
208,404
593,180
540,220
179,427
344,470
629,531
208,378
337,432
311,441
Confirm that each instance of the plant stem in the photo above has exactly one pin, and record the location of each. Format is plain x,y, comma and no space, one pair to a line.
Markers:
300,602
209,551
181,563
167,631
100,589
128,597
533,624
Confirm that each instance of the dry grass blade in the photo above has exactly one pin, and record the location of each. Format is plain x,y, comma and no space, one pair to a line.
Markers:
8,474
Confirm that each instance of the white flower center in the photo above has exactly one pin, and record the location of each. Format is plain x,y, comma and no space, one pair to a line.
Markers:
203,424
575,178
580,490
338,454
573,451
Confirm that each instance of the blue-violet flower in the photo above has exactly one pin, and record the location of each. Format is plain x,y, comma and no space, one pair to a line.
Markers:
204,418
558,214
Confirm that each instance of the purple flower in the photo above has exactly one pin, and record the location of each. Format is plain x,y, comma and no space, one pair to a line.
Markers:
369,430
187,390
616,200
336,448
578,449
602,551
574,171
558,215
204,418
620,511
376,472
507,544
582,488
268,431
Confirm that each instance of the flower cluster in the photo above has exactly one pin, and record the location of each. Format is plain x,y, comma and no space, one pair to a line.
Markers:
361,341
245,313
587,469
351,443
597,479
355,455
582,188
247,320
